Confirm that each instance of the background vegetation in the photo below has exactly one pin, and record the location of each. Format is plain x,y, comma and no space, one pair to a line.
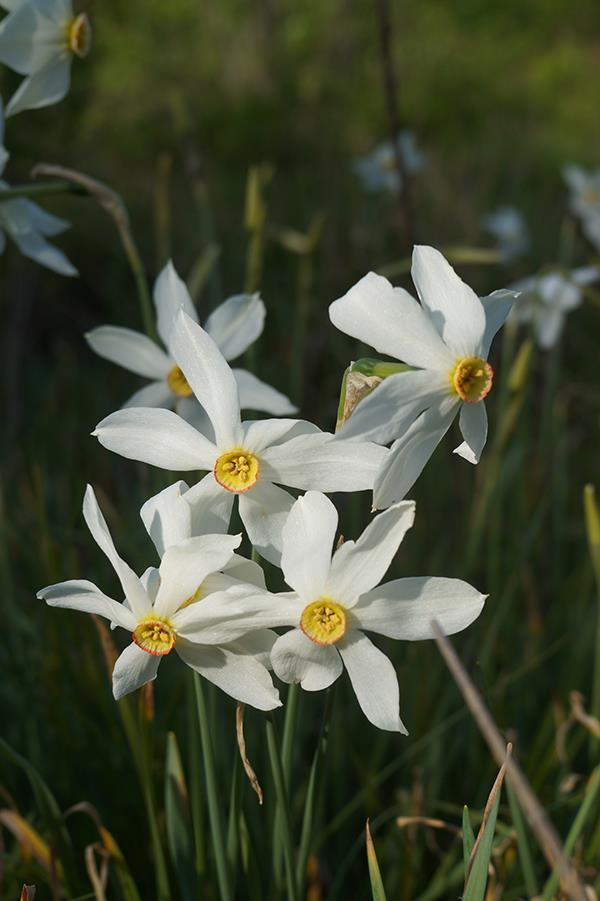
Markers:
172,108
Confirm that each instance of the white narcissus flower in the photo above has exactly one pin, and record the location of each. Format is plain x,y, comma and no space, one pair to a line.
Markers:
178,607
28,225
246,459
546,299
38,39
447,339
234,326
379,171
335,600
508,227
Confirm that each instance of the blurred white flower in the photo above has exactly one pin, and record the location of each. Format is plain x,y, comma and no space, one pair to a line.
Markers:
547,298
28,225
38,39
584,199
378,170
508,227
246,459
186,605
447,339
335,600
233,326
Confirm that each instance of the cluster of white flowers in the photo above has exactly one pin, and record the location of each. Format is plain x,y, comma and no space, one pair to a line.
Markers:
212,606
38,39
584,200
379,170
509,229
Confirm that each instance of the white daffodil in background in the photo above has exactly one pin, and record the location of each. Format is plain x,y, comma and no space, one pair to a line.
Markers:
546,299
508,227
447,339
176,607
233,326
38,39
378,171
246,460
28,225
335,600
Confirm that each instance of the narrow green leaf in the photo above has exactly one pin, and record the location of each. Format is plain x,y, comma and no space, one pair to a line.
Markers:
377,889
178,822
525,858
468,837
478,876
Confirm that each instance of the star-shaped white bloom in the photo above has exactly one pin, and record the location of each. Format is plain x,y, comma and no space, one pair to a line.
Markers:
546,299
379,171
233,326
189,604
246,459
336,599
447,339
508,227
38,39
28,225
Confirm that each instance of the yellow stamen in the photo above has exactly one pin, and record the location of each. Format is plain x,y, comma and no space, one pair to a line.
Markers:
323,621
471,378
155,636
237,470
79,35
178,384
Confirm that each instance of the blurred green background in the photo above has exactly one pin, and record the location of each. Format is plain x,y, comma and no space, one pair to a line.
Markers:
173,106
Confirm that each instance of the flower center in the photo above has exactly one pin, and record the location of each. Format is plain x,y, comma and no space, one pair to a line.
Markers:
178,383
591,195
323,621
79,35
156,636
472,379
237,470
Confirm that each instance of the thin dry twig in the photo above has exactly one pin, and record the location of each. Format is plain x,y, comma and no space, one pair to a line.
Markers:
432,822
239,730
541,827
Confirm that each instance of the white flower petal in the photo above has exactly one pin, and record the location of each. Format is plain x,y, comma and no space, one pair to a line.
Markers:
374,681
43,222
170,296
408,456
184,567
497,307
194,413
585,275
262,433
29,39
257,395
296,658
224,616
264,510
168,517
360,565
405,608
210,378
473,426
548,324
455,309
308,536
245,571
391,321
211,506
44,87
132,587
79,594
388,411
156,394
241,676
131,350
259,644
34,245
236,324
324,464
133,668
156,436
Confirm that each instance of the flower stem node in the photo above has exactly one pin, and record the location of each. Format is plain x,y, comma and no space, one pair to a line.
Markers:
178,383
155,636
237,470
323,621
472,379
79,35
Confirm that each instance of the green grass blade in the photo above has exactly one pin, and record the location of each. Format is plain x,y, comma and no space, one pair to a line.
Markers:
525,858
377,889
468,837
478,876
178,822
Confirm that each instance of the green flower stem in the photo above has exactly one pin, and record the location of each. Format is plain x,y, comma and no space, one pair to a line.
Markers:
287,746
60,186
163,892
214,804
310,802
283,809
